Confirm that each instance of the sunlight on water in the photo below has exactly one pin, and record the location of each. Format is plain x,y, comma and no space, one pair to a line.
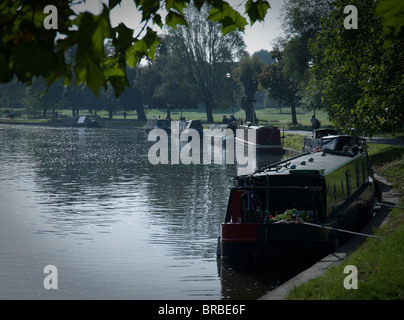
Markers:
116,227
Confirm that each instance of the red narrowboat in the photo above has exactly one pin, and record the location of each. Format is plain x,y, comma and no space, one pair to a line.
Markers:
298,207
267,138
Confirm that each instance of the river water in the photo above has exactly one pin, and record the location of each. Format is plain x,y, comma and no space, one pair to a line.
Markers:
90,203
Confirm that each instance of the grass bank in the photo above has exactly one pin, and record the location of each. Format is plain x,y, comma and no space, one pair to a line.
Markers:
269,116
379,262
293,141
281,118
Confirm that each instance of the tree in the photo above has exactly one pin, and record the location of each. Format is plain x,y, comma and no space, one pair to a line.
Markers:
361,79
175,86
207,56
393,20
131,98
301,23
281,88
248,70
146,81
29,49
11,94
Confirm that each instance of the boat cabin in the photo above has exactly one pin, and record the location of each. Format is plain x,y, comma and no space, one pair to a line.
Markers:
267,138
268,209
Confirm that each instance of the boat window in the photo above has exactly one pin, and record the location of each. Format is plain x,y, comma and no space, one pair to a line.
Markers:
310,201
329,143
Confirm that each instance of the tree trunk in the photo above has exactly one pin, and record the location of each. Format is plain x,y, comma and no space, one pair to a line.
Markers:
208,105
248,106
209,115
294,118
141,116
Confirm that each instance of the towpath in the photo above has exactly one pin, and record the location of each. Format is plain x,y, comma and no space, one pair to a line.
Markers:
390,197
390,141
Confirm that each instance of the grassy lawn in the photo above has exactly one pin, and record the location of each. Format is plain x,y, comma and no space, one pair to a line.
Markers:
293,141
379,262
267,116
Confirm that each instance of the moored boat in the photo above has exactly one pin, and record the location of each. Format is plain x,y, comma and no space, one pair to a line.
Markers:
155,123
185,126
267,138
80,121
299,207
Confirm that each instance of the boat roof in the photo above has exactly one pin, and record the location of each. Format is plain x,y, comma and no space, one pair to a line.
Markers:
257,127
318,163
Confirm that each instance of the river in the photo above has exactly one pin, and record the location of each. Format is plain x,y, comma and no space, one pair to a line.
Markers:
90,203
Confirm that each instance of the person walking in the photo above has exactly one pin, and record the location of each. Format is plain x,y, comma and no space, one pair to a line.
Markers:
315,123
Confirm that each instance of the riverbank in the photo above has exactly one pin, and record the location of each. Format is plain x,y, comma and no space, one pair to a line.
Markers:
378,262
130,124
267,116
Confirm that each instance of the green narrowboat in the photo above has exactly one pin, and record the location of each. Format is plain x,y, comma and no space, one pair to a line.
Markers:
297,208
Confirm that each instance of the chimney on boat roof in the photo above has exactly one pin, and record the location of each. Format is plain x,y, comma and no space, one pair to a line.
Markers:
353,137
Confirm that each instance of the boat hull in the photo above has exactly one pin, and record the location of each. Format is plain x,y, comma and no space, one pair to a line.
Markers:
293,240
267,139
273,241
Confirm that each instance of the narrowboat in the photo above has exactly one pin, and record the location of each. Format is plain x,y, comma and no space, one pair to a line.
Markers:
298,208
267,138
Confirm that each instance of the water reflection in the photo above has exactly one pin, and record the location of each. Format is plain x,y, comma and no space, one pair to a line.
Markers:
118,227
249,281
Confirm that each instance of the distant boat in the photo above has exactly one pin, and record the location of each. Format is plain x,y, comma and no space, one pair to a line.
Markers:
268,138
164,124
184,126
80,121
300,207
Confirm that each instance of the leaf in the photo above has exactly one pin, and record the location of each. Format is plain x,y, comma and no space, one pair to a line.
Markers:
256,10
113,3
230,19
148,8
33,60
115,73
142,48
177,5
157,20
6,73
119,84
199,3
124,38
90,49
173,19
89,72
392,12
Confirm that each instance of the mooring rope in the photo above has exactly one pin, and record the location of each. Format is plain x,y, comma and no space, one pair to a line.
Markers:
341,230
388,205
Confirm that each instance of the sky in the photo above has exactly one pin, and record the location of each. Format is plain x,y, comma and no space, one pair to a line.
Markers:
259,36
